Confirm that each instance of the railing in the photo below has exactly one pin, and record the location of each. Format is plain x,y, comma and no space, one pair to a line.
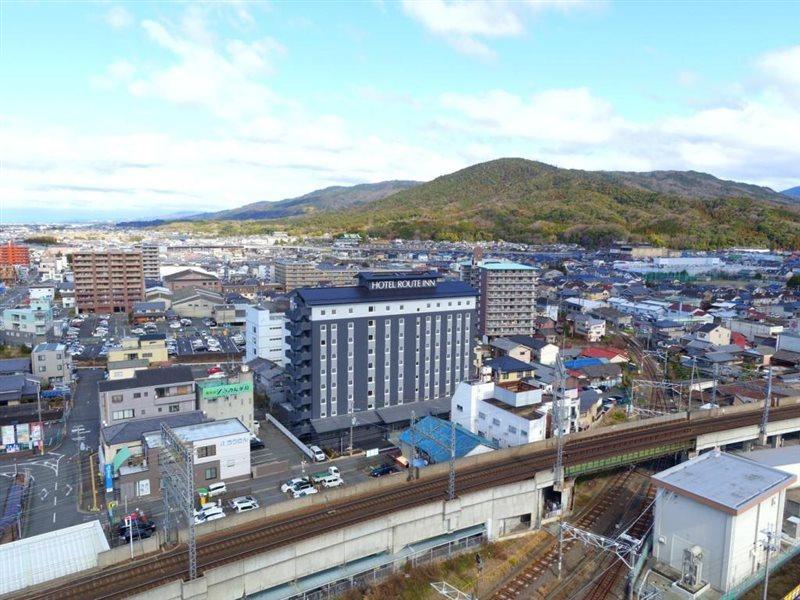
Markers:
753,580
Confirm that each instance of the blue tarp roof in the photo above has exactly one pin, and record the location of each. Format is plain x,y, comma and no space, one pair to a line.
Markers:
439,450
579,363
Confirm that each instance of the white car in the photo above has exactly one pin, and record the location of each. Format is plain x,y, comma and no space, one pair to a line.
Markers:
210,515
205,508
304,491
332,481
175,325
244,503
292,483
319,455
217,489
137,331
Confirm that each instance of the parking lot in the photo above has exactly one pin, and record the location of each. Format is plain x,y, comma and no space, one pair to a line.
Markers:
194,339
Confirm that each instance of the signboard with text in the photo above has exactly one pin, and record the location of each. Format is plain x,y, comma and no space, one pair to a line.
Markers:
227,389
401,284
8,435
23,434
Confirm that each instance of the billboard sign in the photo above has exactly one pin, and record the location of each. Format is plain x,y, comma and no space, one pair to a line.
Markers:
36,432
23,434
227,389
8,435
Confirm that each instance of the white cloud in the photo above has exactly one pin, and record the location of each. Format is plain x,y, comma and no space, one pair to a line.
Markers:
555,117
781,69
463,22
118,18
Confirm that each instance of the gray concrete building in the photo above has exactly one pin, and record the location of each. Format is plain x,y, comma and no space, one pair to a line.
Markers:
393,340
149,393
151,262
507,296
51,364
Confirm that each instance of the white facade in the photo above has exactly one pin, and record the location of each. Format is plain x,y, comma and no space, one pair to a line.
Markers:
753,329
42,292
230,440
592,329
717,506
788,342
477,406
265,335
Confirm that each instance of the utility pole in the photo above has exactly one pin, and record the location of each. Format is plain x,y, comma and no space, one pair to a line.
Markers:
691,384
451,481
765,414
353,422
770,547
177,473
558,468
714,389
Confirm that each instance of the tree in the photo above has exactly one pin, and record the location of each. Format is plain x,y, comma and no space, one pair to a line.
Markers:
794,282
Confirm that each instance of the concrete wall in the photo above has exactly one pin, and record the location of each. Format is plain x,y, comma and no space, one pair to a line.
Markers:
386,534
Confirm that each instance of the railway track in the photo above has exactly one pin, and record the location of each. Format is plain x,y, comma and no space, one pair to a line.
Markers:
234,544
521,583
604,586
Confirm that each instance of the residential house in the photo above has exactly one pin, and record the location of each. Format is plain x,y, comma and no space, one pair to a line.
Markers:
150,346
150,392
52,364
591,328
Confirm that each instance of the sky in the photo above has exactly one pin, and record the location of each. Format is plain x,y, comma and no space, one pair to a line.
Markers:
113,110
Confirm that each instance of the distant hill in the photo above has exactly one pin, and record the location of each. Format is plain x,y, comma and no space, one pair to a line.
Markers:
792,192
330,198
521,200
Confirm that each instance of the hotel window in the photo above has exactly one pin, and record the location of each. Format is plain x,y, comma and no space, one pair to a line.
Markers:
371,309
210,473
349,325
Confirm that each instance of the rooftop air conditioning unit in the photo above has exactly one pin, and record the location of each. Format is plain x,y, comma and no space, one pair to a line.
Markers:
692,566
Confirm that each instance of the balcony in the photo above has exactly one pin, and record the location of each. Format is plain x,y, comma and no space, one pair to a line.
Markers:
302,342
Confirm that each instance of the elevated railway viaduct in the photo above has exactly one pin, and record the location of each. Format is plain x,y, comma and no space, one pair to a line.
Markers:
248,553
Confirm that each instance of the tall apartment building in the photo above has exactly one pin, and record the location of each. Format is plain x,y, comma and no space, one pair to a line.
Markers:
151,262
265,334
394,339
107,281
507,296
293,274
12,254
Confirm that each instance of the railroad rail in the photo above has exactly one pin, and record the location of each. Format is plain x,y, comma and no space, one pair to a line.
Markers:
499,468
519,584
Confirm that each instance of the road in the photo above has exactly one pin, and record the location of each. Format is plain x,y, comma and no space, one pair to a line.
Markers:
54,494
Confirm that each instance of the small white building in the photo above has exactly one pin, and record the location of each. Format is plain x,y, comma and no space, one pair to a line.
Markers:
591,328
710,516
265,335
509,414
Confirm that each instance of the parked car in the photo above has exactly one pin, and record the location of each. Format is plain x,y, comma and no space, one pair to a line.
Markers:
382,470
319,455
243,504
256,443
332,481
210,515
304,490
217,489
292,483
175,325
206,507
331,471
135,532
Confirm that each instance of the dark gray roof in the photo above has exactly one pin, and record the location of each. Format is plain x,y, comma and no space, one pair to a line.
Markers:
149,377
528,341
356,294
14,387
133,430
188,293
11,366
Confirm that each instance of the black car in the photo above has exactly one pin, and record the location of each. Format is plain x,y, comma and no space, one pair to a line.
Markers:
148,526
256,443
137,533
383,470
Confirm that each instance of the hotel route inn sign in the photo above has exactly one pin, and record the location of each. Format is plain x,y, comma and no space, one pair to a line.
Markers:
228,389
401,284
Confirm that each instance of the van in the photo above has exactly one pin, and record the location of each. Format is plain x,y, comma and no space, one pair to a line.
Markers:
332,481
216,489
319,455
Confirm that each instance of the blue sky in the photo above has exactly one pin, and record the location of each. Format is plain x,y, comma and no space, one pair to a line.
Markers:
143,109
